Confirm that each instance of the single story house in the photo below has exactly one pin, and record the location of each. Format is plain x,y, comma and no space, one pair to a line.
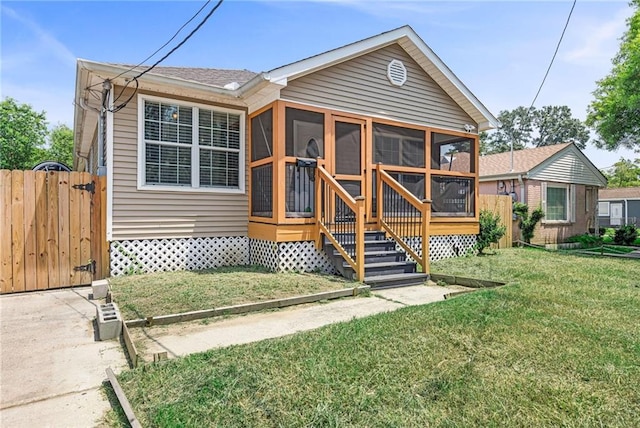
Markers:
619,207
299,168
558,178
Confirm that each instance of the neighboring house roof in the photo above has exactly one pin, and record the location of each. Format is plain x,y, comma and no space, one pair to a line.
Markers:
619,193
563,163
461,162
523,160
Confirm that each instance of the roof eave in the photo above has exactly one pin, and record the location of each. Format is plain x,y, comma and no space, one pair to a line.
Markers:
506,176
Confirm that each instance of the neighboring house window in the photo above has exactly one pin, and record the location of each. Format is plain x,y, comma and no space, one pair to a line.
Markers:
190,146
558,202
603,209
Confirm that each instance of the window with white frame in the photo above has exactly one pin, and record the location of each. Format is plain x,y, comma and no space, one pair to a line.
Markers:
603,209
558,202
190,146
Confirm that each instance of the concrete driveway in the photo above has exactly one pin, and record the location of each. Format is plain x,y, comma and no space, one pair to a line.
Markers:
51,365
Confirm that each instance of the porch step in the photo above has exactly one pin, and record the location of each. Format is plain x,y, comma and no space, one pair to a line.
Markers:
397,280
379,256
369,245
385,268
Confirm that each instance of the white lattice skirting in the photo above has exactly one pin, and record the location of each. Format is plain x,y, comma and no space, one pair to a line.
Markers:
155,255
443,247
290,256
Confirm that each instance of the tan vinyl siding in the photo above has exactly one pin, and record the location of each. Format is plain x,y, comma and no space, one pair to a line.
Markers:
566,168
142,214
92,166
361,86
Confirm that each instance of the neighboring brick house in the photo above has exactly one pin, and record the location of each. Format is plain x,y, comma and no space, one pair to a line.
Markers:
558,178
617,207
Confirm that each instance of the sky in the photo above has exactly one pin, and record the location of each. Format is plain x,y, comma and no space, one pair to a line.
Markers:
500,50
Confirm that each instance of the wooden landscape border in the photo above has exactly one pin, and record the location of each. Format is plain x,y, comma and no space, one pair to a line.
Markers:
247,307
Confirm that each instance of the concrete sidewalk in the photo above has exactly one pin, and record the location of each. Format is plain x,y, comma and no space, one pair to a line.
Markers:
188,338
51,364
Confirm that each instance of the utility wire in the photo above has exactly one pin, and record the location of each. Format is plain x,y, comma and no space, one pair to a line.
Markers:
135,78
161,47
554,56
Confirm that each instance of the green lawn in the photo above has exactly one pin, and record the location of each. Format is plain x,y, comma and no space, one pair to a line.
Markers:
559,346
140,296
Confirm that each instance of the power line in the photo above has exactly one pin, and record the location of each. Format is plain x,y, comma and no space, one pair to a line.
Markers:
135,78
161,47
168,41
554,56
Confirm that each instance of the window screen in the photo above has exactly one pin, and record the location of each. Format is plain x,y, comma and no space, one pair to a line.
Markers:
304,133
452,196
394,145
348,147
262,135
452,153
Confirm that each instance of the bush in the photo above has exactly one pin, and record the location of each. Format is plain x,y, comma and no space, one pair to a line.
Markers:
586,240
491,230
626,235
527,222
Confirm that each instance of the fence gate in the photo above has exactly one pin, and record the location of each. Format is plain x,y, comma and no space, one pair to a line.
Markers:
52,230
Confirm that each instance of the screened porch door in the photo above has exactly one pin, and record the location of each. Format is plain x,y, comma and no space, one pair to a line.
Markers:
347,163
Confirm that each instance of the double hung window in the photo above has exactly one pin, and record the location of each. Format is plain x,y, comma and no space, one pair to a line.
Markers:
190,146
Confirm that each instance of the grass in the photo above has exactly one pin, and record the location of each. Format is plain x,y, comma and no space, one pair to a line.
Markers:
559,346
140,296
610,249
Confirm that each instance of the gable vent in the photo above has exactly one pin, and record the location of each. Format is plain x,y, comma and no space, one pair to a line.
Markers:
396,72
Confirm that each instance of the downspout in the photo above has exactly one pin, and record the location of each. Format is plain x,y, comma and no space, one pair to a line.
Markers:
522,190
102,135
626,211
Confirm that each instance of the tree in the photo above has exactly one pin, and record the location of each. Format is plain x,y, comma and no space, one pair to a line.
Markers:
61,149
526,221
555,125
491,230
615,110
536,127
624,173
515,128
22,133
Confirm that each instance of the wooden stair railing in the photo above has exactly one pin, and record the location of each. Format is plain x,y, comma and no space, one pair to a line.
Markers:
340,218
403,216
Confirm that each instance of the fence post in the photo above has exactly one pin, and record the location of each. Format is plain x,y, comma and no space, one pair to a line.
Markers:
360,237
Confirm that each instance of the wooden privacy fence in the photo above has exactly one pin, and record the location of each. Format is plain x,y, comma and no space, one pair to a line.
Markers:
501,205
52,230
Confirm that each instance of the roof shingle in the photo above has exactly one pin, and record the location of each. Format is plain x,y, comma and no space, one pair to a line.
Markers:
523,160
620,193
208,76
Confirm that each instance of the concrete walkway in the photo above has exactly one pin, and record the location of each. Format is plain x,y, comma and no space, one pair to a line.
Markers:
188,338
52,367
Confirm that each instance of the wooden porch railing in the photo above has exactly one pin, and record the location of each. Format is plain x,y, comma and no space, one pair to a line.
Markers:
340,218
403,216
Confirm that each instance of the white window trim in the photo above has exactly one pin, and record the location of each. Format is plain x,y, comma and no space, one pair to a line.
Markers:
195,177
570,201
604,213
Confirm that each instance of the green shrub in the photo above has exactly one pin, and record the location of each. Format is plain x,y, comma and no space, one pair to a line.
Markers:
527,221
626,235
587,240
491,230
